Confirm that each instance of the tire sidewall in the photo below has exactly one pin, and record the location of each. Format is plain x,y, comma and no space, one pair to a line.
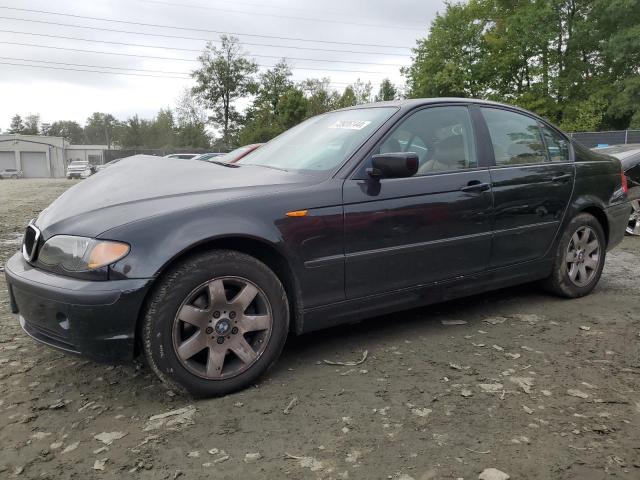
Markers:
561,274
174,289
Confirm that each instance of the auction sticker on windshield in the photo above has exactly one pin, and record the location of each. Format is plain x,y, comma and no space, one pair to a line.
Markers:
350,124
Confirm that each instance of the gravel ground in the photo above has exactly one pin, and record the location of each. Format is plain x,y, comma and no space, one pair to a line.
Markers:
532,385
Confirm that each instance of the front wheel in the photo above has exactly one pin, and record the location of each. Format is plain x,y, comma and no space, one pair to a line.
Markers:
215,323
579,258
634,220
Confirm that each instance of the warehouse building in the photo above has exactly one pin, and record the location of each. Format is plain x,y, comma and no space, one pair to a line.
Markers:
42,156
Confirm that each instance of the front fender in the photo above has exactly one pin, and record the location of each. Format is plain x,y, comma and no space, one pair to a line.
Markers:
158,241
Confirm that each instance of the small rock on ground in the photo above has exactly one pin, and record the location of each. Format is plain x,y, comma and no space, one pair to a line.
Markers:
493,474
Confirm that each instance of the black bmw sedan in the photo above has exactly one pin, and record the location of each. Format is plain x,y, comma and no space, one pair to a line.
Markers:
206,268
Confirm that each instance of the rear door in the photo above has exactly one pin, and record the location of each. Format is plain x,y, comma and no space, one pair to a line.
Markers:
532,181
436,225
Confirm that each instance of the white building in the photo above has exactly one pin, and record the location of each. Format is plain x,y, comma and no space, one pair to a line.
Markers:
42,156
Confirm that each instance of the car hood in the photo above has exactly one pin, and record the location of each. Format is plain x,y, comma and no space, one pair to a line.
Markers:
142,186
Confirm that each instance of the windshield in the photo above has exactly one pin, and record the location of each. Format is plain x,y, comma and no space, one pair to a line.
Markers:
78,163
321,143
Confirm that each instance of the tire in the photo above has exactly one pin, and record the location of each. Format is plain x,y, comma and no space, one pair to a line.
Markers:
568,279
192,290
633,228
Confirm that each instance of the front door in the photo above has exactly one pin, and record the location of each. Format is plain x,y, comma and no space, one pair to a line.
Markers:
532,182
436,225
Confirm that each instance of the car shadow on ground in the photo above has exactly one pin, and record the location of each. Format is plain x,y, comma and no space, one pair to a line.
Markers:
402,325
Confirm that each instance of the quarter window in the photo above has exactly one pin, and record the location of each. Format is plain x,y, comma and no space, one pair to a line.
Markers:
442,137
515,138
557,145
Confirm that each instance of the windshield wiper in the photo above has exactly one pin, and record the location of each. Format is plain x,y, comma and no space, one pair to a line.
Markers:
224,164
265,166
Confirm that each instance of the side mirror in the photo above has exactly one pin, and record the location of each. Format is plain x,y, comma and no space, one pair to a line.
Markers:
394,165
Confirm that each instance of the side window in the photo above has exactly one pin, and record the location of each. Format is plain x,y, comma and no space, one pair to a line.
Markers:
442,137
516,138
557,145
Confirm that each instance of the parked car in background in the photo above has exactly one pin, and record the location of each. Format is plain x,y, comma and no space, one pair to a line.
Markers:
239,153
11,173
629,156
208,156
351,214
80,169
99,168
184,156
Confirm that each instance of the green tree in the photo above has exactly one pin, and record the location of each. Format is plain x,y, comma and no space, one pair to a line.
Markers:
362,91
68,129
100,129
576,62
293,107
161,131
224,76
273,84
387,91
348,98
265,120
447,63
16,126
191,122
320,98
134,133
31,125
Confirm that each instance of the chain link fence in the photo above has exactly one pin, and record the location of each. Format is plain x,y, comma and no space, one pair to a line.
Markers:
614,137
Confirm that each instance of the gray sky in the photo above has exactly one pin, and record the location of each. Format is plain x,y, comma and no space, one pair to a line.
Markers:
63,94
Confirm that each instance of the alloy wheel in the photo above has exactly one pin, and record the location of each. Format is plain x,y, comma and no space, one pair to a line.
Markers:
583,256
634,220
222,328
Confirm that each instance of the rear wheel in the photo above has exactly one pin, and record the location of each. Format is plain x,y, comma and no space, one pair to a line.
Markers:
215,323
579,258
634,220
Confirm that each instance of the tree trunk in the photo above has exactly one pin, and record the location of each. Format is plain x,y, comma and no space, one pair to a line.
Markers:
226,119
545,70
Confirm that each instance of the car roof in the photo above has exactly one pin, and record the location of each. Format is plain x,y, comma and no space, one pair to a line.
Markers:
408,104
414,102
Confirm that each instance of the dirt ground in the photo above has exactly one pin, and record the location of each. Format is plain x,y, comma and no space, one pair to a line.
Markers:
534,386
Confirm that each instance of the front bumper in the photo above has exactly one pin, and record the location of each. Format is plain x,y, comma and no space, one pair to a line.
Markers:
618,217
93,319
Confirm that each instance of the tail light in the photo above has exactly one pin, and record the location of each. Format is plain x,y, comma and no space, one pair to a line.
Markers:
625,186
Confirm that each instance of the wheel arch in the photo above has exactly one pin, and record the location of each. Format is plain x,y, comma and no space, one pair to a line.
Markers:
601,216
260,249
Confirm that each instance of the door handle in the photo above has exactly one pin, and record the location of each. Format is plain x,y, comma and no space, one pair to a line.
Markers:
475,186
562,178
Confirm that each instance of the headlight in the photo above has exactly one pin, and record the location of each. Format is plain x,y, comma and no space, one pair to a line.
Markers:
80,254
